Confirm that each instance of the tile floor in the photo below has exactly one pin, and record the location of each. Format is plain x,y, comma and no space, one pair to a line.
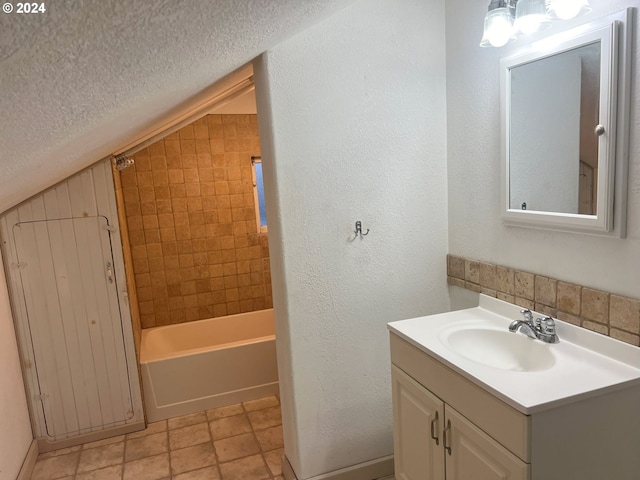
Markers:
238,442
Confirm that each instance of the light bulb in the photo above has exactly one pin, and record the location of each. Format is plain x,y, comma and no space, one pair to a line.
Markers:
498,28
531,15
566,9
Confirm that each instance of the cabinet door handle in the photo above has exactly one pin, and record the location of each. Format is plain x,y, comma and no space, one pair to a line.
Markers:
434,433
445,437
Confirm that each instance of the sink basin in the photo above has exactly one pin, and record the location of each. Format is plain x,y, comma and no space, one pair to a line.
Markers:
527,374
500,349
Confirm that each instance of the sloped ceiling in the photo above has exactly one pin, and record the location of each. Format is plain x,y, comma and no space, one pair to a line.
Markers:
87,77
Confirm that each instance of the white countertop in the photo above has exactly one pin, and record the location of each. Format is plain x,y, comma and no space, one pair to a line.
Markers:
585,363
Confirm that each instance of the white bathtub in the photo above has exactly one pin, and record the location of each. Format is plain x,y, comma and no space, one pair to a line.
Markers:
194,366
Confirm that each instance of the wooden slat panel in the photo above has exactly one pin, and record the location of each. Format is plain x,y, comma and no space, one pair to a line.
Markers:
66,267
83,367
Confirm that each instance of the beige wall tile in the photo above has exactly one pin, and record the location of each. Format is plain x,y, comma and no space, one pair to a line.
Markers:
569,298
472,271
596,327
524,303
545,290
624,313
545,309
474,287
626,337
567,317
487,291
505,281
595,305
524,285
505,297
488,276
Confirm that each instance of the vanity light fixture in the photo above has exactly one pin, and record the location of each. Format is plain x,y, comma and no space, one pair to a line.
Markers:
506,18
566,9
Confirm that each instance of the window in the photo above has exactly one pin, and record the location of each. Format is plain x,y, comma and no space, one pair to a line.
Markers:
258,195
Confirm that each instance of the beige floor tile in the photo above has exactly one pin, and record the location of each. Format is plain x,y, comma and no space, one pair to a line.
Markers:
192,458
103,442
149,468
55,467
229,426
228,411
110,473
271,438
146,446
186,420
152,428
189,436
101,457
269,417
261,404
236,447
247,468
209,473
62,451
274,461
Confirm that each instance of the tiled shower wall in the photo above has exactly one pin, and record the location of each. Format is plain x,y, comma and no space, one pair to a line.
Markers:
602,312
191,221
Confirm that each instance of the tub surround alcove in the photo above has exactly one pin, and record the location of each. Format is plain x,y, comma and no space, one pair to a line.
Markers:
191,224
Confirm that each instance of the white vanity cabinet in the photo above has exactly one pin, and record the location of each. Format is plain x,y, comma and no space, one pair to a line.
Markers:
447,426
421,453
429,434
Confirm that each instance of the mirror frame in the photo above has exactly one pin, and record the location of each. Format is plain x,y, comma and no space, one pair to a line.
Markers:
613,33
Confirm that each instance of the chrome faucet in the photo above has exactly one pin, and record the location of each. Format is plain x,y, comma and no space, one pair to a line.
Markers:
543,329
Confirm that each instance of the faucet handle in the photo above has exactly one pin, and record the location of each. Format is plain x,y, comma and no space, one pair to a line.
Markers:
526,313
548,325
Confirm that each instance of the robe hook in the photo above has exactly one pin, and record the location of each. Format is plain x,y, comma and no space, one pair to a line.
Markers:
359,231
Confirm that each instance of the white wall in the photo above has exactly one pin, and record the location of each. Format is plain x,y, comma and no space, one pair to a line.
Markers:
352,125
15,427
473,115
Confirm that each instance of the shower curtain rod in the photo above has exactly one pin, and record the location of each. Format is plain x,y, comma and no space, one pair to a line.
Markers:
194,114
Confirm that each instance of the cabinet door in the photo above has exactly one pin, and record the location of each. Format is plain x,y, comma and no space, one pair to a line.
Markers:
472,455
417,430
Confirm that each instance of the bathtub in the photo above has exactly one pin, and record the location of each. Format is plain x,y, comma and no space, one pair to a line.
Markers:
195,366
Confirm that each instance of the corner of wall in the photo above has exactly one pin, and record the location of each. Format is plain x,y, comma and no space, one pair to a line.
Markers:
280,306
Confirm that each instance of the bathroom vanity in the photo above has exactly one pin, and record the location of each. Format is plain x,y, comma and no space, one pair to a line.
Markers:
473,401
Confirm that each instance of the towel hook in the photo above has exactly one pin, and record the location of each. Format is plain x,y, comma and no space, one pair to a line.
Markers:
359,231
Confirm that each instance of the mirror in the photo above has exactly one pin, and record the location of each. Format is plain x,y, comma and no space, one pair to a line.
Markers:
559,120
553,159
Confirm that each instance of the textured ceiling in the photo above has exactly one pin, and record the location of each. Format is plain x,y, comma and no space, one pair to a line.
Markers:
87,77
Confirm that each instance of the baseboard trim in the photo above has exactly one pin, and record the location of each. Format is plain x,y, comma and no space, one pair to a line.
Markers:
374,469
29,462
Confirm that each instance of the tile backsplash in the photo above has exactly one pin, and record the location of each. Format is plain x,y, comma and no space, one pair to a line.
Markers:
603,312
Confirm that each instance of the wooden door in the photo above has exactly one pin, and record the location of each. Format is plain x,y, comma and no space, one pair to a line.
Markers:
418,417
74,324
473,455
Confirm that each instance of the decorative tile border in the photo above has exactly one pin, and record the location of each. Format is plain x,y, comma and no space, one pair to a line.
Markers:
602,312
